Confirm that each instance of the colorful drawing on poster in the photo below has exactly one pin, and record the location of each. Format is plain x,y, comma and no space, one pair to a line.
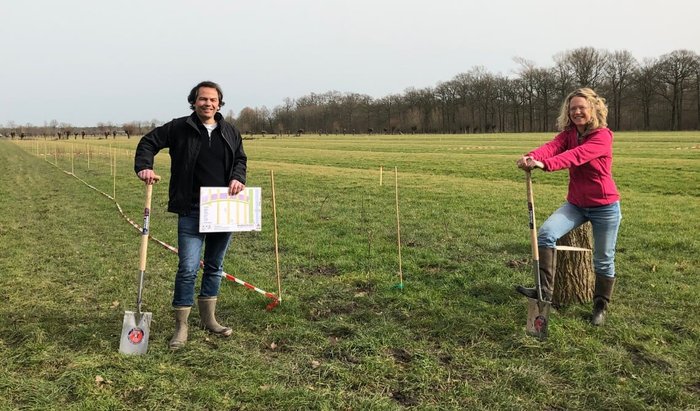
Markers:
220,212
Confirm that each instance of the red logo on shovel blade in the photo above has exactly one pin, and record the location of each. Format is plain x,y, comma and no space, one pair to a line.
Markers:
135,336
540,323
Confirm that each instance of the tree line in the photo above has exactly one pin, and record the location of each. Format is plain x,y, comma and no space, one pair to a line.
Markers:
660,93
653,94
60,131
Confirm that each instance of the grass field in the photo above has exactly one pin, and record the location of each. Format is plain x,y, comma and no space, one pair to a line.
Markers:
344,337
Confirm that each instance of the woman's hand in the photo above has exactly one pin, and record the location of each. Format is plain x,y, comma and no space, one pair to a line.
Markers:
528,163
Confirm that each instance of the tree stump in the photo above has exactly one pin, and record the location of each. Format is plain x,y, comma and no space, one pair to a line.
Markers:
575,279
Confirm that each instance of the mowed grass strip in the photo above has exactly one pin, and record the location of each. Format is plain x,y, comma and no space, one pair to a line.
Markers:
344,337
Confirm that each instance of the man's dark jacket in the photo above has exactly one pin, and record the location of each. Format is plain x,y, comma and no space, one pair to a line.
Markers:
183,138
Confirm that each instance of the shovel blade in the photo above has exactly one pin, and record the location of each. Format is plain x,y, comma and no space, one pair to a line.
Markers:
135,333
538,318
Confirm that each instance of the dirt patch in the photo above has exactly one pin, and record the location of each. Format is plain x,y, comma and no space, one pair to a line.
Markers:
401,355
318,313
325,311
412,243
341,355
341,332
641,357
694,387
273,347
404,398
446,359
517,264
432,269
365,286
679,330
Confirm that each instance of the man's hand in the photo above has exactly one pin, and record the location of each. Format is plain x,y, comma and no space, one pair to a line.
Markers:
235,187
148,176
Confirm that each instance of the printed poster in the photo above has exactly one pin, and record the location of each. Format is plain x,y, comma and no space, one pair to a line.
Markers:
220,212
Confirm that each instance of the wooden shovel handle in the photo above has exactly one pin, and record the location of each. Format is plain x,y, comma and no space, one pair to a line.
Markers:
145,231
531,211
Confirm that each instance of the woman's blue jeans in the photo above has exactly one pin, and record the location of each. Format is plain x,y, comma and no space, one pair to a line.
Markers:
190,243
605,221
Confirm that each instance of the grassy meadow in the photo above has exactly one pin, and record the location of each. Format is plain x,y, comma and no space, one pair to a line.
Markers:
344,336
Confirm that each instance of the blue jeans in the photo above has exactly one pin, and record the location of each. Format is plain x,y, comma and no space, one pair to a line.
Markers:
190,242
605,221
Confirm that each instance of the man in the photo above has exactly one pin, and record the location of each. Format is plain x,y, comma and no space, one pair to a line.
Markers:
205,150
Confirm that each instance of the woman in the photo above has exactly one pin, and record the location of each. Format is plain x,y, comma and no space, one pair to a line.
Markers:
584,147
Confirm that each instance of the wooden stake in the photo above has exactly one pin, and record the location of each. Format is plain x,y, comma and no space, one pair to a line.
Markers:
87,148
277,253
381,175
111,163
114,175
72,169
398,225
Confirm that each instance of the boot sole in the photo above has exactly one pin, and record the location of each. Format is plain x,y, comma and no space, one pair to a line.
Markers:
225,332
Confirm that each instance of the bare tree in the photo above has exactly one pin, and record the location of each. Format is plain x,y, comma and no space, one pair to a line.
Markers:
501,103
65,128
545,83
246,120
467,112
645,85
563,78
675,69
484,94
528,83
619,70
697,91
130,128
446,96
586,65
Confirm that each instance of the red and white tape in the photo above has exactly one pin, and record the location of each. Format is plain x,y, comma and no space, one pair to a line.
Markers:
275,300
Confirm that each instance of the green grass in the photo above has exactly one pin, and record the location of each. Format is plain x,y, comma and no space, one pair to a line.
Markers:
344,337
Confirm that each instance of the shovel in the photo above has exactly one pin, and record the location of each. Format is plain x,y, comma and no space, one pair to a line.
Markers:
537,310
136,325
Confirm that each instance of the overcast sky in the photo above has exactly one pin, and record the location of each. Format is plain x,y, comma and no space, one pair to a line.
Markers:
85,61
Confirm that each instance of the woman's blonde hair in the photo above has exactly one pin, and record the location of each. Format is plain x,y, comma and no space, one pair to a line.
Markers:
599,111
